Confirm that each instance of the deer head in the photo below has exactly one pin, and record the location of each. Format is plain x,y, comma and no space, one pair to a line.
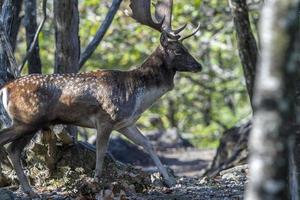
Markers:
175,55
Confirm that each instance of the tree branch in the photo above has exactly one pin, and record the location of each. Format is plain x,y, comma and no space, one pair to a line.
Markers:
100,33
35,39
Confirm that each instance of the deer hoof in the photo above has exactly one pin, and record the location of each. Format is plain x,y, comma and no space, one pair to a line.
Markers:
32,194
170,182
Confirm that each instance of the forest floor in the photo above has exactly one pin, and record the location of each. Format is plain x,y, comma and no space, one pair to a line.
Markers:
188,165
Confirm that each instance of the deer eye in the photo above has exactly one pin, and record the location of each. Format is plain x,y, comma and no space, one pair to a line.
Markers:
177,52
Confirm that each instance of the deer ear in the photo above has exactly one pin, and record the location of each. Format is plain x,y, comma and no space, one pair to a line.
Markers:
164,39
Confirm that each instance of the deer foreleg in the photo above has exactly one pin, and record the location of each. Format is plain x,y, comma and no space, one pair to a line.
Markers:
138,138
103,133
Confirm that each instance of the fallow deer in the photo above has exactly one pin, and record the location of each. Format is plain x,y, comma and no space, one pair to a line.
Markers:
106,100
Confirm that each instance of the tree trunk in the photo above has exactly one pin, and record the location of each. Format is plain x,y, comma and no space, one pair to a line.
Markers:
11,22
34,61
246,42
273,101
232,150
66,35
10,16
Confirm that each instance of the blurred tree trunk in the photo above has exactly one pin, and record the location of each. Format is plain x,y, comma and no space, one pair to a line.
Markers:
246,42
34,61
67,41
294,158
274,101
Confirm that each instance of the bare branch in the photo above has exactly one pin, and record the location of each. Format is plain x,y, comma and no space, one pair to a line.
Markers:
100,33
35,39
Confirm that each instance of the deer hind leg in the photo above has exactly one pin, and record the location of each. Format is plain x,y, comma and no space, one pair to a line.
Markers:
19,136
103,133
8,135
2,155
14,151
138,138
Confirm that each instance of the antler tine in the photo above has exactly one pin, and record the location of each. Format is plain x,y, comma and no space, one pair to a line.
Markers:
141,12
177,31
190,35
163,11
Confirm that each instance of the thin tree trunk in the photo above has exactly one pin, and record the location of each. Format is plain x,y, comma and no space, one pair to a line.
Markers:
246,42
34,61
273,101
248,53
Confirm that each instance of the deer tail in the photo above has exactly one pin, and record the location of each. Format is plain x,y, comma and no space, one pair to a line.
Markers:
4,97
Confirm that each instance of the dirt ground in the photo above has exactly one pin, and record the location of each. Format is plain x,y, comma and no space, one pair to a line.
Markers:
187,161
188,165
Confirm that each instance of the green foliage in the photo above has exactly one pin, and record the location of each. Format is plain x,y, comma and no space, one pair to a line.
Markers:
206,103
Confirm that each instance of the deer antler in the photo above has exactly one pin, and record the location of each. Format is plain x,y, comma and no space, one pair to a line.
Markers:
163,11
190,35
141,12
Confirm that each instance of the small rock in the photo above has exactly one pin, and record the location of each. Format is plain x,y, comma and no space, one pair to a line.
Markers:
203,181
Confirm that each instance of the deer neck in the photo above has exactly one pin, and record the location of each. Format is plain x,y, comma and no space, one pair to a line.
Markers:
153,79
155,73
